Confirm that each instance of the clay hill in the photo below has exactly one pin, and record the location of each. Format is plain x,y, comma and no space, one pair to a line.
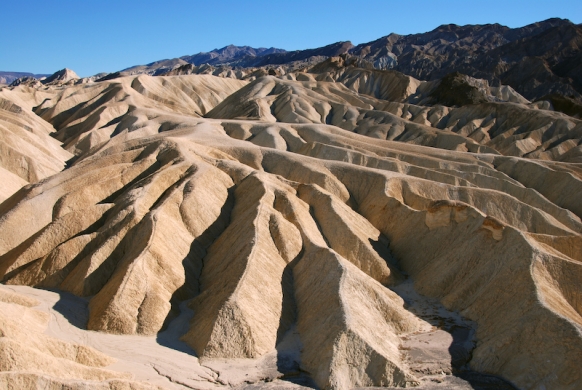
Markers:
328,225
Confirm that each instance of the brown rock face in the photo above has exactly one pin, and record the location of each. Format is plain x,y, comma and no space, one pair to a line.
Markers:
322,226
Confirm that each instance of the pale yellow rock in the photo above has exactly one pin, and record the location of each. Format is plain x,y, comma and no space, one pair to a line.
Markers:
31,359
286,209
340,350
27,151
244,314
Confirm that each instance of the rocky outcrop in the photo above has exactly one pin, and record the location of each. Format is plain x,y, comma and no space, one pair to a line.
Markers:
27,80
60,77
28,153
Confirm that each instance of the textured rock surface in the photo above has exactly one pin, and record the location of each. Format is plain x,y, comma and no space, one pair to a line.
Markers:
313,229
60,77
27,153
31,359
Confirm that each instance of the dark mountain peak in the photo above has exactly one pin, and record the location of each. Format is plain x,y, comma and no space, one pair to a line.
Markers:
551,22
332,50
457,89
552,44
534,28
228,54
335,49
232,49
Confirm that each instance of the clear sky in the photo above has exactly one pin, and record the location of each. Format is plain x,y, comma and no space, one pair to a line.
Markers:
92,36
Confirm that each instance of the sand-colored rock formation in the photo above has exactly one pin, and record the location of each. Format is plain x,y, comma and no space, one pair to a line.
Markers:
61,77
294,208
27,153
31,359
511,129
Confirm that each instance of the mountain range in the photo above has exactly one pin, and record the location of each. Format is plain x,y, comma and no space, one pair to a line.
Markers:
538,60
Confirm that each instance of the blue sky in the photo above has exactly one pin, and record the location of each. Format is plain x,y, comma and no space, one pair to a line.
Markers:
91,36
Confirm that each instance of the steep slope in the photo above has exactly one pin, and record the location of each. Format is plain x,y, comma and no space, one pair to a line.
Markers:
27,153
528,64
30,151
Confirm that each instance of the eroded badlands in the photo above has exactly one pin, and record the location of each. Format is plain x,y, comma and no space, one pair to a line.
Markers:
337,228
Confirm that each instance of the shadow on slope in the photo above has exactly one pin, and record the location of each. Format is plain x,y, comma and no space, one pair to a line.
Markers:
447,347
75,309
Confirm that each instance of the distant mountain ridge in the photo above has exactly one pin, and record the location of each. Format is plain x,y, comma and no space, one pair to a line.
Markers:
280,58
9,77
535,60
539,59
243,57
230,53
